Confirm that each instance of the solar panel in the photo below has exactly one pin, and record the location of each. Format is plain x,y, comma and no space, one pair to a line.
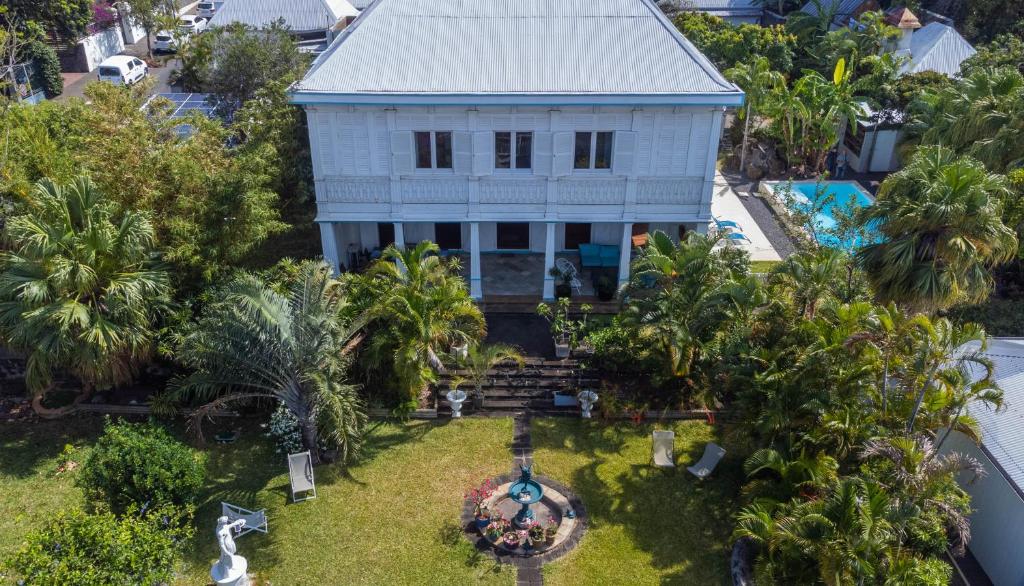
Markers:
187,103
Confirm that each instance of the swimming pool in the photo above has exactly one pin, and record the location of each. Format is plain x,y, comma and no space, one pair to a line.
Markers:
842,198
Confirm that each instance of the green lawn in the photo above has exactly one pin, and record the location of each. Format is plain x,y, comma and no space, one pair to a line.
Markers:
653,526
763,266
392,519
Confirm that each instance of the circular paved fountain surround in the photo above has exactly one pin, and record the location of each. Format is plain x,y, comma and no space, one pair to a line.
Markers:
556,500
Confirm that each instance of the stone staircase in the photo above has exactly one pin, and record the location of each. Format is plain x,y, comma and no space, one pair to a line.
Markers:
510,390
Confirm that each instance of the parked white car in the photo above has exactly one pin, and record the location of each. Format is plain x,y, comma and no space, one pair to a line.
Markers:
168,41
122,70
193,25
206,9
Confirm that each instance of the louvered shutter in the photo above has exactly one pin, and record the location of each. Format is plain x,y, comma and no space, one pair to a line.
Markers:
562,144
462,149
542,153
624,152
483,153
402,152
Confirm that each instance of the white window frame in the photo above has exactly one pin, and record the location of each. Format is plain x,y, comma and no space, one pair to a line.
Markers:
593,152
512,152
433,168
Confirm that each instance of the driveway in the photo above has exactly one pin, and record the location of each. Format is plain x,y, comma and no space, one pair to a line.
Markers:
74,83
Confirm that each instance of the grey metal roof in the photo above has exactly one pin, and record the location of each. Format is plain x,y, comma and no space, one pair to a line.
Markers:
1002,433
300,15
728,6
474,47
937,47
844,9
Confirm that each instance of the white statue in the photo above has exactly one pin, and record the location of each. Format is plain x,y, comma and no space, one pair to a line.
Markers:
230,568
587,399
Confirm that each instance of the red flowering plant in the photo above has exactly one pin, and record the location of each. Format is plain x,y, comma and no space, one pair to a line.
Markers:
497,527
478,496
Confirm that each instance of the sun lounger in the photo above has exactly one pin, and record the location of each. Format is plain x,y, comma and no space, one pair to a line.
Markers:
663,449
713,454
736,237
300,472
723,224
254,520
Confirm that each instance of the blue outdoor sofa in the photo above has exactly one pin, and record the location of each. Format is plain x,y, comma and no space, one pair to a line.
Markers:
593,256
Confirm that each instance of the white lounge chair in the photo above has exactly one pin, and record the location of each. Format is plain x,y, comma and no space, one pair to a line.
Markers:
254,520
664,450
300,472
713,454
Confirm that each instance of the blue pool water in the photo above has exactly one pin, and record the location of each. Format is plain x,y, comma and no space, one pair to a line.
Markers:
844,198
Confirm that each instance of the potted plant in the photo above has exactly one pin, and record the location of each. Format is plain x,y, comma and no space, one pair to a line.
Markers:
480,359
605,286
567,332
563,283
456,397
478,496
511,539
496,528
536,535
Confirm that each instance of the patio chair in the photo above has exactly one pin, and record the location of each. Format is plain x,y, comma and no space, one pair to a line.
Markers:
663,448
713,454
734,237
723,225
254,520
565,267
300,473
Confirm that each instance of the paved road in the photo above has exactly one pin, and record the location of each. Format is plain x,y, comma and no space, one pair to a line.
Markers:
75,88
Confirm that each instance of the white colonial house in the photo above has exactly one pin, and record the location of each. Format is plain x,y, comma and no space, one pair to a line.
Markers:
511,126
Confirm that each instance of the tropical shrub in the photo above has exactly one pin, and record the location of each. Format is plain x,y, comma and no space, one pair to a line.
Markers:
290,344
141,465
46,60
102,550
79,287
283,428
728,45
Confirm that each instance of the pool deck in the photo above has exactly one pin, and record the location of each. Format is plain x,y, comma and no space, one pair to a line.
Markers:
726,204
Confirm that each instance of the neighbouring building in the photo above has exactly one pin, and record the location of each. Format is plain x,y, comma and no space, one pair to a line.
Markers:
732,11
512,127
842,11
315,23
997,499
936,47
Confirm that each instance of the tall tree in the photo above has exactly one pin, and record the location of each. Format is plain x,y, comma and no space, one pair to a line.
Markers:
151,15
941,231
79,288
291,346
757,80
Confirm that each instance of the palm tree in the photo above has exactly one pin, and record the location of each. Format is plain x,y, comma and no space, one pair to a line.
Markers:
757,80
888,335
424,309
979,116
481,358
919,474
963,388
687,307
940,345
80,289
941,231
291,346
811,277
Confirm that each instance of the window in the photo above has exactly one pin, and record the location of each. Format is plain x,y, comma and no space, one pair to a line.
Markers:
513,150
513,235
593,150
448,235
433,150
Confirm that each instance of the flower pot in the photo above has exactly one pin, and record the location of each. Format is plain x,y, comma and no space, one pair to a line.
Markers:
561,350
455,399
482,522
563,290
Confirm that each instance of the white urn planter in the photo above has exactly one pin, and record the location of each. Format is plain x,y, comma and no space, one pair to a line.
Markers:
456,398
460,351
561,350
586,399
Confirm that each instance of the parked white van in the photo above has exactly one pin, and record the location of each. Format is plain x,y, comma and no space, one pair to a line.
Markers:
206,9
123,70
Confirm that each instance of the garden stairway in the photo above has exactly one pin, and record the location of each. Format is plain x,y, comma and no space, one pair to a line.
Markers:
510,390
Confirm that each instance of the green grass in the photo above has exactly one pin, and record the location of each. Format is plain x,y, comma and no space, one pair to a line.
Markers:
763,266
653,526
391,519
30,487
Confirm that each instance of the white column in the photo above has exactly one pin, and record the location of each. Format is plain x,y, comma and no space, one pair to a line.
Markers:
399,236
624,251
476,290
329,242
549,262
